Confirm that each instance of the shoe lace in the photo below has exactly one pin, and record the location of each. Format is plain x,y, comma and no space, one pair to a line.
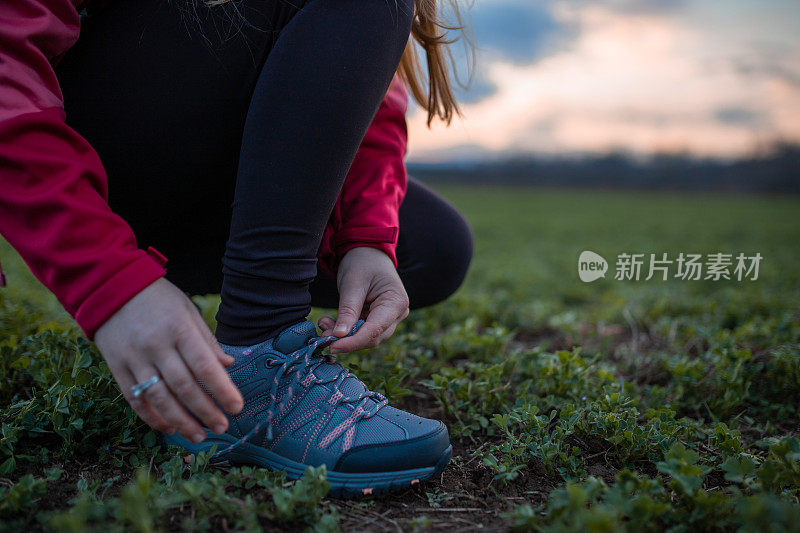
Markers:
298,367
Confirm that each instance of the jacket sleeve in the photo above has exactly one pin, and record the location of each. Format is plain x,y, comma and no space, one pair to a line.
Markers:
53,189
367,210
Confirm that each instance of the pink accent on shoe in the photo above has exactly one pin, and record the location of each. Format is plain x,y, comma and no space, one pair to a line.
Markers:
320,425
347,422
348,438
367,491
335,397
289,394
296,424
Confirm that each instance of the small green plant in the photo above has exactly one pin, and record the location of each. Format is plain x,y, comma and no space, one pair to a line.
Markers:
638,406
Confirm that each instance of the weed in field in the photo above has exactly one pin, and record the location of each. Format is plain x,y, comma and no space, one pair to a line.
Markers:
612,406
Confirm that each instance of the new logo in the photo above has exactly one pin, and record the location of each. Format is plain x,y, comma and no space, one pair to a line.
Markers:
591,266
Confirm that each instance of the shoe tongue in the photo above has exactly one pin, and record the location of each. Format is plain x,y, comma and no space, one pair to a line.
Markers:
294,337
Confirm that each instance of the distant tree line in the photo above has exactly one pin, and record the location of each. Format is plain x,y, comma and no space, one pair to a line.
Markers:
776,171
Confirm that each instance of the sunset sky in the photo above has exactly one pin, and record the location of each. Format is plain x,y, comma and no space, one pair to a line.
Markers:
708,77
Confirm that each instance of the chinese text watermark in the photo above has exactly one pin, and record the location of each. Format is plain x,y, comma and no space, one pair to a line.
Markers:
684,266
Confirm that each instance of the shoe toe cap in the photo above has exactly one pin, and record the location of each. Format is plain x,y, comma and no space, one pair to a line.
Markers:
426,443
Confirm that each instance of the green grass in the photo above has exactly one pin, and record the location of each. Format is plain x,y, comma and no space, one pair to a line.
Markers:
608,405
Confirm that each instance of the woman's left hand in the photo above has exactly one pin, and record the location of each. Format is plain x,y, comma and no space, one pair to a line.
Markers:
369,288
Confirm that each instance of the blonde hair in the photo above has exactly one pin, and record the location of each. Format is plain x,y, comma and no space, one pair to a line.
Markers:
429,32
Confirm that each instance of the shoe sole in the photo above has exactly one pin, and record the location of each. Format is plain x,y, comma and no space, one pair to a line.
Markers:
343,484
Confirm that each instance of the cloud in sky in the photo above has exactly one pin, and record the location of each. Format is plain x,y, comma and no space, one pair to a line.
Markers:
519,33
707,77
516,32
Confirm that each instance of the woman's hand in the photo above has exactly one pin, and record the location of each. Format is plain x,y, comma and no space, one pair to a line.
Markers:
159,332
369,288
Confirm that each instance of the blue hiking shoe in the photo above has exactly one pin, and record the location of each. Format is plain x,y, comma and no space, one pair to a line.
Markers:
304,409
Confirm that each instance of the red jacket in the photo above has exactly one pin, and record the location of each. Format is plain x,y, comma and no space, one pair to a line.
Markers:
53,189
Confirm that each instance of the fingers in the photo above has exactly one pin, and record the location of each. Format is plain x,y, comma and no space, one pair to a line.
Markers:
159,332
140,405
383,318
185,388
164,402
204,363
351,300
224,358
326,325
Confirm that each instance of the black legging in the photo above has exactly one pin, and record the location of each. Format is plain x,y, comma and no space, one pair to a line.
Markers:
182,102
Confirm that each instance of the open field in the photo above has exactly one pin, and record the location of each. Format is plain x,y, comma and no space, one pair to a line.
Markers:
571,405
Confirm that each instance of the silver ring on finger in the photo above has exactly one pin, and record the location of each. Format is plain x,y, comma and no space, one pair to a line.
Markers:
138,389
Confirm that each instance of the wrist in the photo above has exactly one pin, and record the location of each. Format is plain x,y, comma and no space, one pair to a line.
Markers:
380,238
115,292
367,253
369,249
365,261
